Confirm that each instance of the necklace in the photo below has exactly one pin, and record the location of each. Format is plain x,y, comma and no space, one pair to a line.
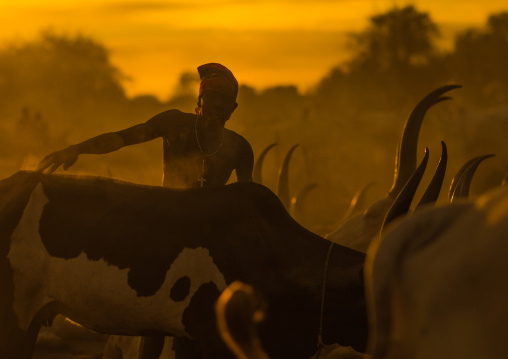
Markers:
202,179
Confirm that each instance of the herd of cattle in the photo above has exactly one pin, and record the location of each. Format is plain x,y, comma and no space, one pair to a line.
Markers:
131,260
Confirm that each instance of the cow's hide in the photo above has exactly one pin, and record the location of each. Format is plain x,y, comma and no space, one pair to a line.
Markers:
437,283
128,259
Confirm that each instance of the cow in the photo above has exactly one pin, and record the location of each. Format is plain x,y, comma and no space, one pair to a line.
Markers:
127,259
436,282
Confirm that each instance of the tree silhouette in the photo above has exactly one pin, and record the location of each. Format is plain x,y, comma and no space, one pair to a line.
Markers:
394,61
398,39
480,59
68,79
58,69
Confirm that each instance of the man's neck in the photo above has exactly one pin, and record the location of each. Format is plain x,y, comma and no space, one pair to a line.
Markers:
210,124
210,133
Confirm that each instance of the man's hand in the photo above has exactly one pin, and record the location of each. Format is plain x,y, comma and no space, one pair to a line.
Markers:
66,157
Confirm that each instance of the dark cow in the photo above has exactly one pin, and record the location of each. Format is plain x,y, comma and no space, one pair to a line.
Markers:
437,283
128,259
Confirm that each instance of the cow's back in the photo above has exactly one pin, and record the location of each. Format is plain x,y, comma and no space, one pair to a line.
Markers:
96,242
437,283
95,249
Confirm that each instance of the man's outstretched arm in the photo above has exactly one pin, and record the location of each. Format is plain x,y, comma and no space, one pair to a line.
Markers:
105,143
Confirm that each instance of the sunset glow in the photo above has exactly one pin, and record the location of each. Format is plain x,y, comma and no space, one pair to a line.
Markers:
265,43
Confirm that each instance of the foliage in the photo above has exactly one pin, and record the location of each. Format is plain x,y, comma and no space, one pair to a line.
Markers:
394,61
69,68
397,40
480,60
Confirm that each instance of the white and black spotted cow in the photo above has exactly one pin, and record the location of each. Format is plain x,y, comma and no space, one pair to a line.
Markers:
128,259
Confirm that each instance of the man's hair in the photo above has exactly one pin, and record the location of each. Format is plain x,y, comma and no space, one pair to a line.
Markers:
219,78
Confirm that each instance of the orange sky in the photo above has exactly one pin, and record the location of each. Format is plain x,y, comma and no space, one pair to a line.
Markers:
263,42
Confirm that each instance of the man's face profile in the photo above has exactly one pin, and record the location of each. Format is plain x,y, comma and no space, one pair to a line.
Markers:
215,105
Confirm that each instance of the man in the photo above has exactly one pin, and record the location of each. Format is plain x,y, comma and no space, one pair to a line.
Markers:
198,152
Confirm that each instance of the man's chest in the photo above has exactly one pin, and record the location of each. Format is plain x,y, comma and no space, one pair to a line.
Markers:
186,166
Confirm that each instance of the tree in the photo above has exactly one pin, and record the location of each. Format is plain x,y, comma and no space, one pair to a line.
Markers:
68,79
58,69
399,39
395,59
480,59
394,62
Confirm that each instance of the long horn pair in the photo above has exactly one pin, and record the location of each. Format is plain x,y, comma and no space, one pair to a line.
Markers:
405,197
405,161
403,201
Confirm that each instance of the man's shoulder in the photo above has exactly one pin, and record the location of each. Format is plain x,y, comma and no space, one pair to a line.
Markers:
237,138
241,146
172,118
175,115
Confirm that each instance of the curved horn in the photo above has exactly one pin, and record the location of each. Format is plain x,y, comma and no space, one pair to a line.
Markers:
403,201
297,202
256,173
432,192
358,201
463,184
459,173
405,161
239,310
283,180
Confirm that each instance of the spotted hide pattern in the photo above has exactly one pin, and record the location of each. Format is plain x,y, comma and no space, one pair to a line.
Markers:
67,282
127,259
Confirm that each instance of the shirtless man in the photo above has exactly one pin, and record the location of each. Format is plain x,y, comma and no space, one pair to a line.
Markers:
198,150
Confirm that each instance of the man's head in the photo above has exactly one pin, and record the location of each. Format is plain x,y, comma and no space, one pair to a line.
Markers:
217,91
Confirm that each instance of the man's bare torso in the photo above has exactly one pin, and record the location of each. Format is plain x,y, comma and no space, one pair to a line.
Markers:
185,166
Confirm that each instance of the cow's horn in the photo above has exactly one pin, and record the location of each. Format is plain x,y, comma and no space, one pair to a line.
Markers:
432,192
283,180
239,309
297,202
405,161
403,201
357,203
462,180
256,173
